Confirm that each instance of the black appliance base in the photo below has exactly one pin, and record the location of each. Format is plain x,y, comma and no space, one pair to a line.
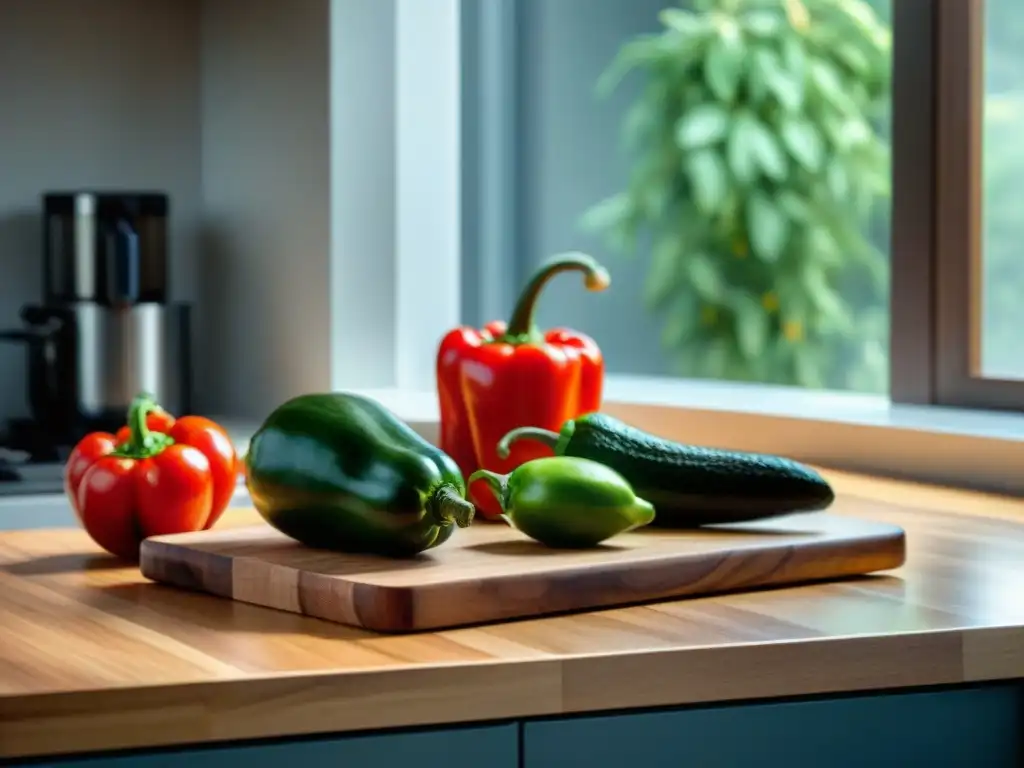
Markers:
44,445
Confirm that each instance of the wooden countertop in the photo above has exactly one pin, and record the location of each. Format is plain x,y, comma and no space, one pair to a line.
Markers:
93,657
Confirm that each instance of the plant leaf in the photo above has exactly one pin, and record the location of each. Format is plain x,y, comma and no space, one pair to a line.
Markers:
662,276
763,23
723,65
683,21
783,78
830,85
838,180
794,206
803,141
768,227
854,58
704,277
714,359
751,325
709,180
607,214
680,319
638,125
702,125
766,149
849,133
641,51
740,151
824,297
794,57
807,366
787,87
822,247
763,59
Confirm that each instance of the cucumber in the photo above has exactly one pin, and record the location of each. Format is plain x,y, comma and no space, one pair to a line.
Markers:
339,471
688,485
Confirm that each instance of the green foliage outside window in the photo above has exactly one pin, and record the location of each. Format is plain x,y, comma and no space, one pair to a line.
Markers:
759,170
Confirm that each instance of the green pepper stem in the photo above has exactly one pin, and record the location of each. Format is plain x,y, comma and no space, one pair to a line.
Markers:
141,442
498,483
447,506
521,325
536,434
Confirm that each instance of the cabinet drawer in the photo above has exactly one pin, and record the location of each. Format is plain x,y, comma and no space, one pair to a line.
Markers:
490,746
974,728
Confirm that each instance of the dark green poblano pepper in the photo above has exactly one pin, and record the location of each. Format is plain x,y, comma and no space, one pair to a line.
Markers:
566,502
339,471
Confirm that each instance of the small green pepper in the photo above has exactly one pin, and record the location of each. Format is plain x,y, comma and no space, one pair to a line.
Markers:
566,502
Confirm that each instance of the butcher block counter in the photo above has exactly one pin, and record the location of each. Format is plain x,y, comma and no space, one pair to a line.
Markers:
94,659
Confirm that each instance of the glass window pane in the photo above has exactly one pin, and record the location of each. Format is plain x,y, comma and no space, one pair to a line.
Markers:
1002,176
735,182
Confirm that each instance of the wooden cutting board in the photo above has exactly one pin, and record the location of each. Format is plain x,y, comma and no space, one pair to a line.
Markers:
490,572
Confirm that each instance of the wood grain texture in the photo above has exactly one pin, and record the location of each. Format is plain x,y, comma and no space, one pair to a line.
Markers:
491,572
94,656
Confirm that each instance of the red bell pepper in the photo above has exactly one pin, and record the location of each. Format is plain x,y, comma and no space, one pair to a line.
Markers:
514,375
210,438
152,483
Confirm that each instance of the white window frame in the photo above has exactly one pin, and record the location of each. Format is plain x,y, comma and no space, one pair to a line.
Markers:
395,189
453,199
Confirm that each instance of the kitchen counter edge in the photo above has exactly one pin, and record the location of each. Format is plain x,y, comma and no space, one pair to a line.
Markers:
305,704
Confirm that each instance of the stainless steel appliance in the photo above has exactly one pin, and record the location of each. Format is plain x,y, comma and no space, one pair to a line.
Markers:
106,328
107,248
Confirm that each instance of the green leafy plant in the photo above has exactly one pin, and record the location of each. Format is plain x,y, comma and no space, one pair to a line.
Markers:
759,171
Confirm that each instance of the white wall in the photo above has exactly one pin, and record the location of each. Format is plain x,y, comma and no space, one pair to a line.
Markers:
225,105
273,126
265,318
312,126
100,94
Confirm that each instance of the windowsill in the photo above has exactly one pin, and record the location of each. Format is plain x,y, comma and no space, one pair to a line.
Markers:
817,406
982,450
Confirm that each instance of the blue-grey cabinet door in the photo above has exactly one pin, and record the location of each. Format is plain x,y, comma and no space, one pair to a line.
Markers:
490,746
973,728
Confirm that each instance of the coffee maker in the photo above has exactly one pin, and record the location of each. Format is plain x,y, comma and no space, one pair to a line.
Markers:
106,328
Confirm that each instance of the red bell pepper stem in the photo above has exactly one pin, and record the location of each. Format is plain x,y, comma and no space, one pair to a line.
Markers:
521,327
142,443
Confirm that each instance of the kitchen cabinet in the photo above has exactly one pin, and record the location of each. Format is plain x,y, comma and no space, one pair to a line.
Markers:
490,746
978,727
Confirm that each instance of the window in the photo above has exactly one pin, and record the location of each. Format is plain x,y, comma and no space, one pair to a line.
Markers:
481,139
785,191
1002,164
979,261
747,152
